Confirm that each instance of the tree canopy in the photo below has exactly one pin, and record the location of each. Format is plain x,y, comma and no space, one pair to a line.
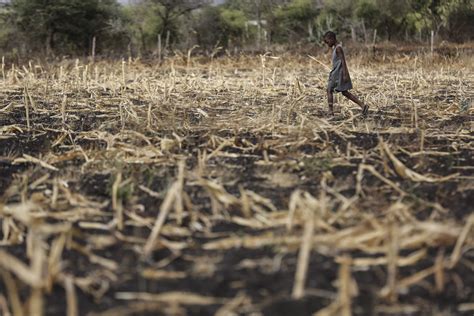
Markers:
62,24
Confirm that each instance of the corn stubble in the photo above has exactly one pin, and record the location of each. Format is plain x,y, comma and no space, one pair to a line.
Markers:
193,145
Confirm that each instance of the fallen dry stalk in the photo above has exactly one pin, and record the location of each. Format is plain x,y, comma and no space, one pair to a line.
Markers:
71,297
12,292
165,208
393,249
170,298
28,158
21,270
117,202
345,286
456,255
409,174
304,255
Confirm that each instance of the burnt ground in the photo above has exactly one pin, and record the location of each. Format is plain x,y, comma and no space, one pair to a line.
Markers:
250,152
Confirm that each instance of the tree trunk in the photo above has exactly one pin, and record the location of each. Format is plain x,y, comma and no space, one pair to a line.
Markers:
259,24
129,48
49,43
159,47
93,49
166,29
142,39
167,43
374,41
432,43
365,32
353,34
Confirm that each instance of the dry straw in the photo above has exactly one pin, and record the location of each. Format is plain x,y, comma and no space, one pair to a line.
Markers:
158,161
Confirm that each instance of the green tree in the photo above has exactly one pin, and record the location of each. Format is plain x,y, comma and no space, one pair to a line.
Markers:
220,26
459,23
208,28
295,19
63,25
171,10
407,18
233,24
336,15
262,14
369,14
143,24
7,28
454,17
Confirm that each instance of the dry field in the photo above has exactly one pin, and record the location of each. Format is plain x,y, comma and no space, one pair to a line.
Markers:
220,187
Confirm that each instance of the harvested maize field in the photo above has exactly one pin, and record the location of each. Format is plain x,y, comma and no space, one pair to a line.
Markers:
220,186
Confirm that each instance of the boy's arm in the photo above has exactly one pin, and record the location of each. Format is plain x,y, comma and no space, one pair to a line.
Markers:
345,71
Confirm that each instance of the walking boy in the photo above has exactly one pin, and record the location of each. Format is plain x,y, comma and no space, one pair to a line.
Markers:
339,79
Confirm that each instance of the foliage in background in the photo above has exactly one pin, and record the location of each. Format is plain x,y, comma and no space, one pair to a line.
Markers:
66,26
69,26
295,20
142,26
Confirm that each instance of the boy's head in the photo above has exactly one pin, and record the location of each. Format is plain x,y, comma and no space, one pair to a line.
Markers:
329,38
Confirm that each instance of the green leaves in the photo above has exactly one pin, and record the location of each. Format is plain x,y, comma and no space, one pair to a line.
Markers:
63,23
233,20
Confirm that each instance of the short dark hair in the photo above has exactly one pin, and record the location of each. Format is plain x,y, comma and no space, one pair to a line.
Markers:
330,34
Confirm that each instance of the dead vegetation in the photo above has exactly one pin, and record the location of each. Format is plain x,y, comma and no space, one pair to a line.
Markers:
220,187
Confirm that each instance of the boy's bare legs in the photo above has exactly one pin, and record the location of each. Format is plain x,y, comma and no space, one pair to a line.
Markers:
354,99
331,101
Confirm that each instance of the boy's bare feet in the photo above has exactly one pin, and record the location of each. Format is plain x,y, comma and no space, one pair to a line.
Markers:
331,111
